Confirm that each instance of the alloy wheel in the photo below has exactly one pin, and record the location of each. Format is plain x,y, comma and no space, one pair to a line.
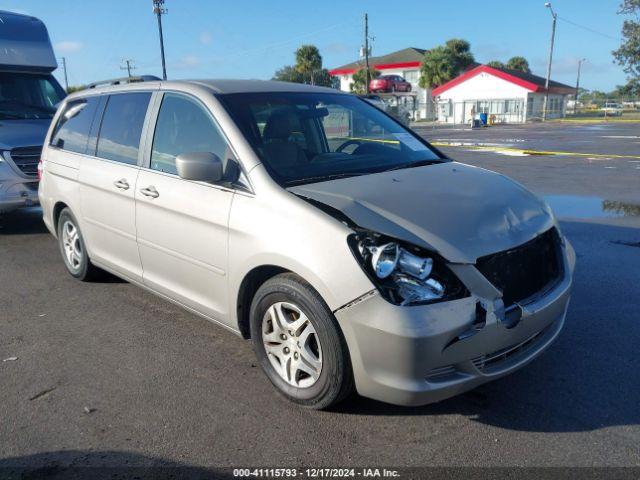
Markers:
292,345
72,244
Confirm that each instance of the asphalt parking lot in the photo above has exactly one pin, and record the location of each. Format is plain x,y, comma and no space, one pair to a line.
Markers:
107,374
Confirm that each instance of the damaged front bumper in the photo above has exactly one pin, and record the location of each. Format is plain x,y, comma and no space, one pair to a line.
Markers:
422,354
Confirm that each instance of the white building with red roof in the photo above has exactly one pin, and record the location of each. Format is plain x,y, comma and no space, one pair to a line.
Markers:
505,96
405,63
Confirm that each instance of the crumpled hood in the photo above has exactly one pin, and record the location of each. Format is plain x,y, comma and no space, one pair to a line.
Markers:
460,211
22,133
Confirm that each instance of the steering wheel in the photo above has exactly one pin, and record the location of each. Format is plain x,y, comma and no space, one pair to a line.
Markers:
347,144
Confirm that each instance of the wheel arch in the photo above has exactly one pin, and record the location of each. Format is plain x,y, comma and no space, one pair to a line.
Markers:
57,210
248,288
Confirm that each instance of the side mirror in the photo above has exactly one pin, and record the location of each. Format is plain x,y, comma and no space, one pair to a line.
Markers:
199,166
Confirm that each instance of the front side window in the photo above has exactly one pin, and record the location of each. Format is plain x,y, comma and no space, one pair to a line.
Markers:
121,128
72,131
25,96
183,126
305,138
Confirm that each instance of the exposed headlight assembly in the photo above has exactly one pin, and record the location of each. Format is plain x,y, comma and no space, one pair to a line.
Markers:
405,274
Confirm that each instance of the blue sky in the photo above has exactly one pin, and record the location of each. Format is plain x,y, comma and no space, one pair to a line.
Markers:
252,39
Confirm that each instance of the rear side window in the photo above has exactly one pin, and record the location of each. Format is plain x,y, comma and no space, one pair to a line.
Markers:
121,128
72,131
183,126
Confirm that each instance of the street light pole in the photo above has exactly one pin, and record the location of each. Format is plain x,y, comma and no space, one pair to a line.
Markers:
546,83
159,10
575,104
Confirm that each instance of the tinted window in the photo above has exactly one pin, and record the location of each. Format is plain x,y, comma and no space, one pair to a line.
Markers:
119,137
184,126
73,127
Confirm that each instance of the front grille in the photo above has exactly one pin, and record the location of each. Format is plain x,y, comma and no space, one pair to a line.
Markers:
484,362
526,270
26,159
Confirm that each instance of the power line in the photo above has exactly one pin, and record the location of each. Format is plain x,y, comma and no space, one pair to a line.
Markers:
589,29
128,67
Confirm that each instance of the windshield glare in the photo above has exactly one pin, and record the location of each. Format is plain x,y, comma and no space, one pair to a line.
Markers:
26,96
306,138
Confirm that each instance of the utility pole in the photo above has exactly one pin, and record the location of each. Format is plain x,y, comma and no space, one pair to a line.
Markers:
64,68
159,10
366,50
546,83
129,66
575,105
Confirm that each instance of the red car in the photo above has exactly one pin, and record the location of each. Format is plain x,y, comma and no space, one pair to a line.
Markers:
389,83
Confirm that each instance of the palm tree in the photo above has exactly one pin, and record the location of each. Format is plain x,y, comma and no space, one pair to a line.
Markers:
308,61
445,62
437,68
496,64
359,84
519,63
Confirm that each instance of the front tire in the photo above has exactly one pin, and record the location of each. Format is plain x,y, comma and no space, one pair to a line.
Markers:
73,249
298,343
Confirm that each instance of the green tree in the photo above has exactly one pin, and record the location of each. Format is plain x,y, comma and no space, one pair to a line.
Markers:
461,51
519,63
445,62
324,79
628,55
73,88
496,64
630,90
359,84
288,74
308,62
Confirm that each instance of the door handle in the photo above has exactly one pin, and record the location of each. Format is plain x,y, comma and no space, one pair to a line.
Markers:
122,184
150,191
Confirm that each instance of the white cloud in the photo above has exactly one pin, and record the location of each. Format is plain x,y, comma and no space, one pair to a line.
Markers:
206,38
68,46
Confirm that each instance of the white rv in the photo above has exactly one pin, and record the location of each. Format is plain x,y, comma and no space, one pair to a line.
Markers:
28,98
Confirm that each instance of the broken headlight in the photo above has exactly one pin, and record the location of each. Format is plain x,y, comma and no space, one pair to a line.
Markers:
405,274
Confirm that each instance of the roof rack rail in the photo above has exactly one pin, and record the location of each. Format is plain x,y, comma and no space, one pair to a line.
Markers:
123,80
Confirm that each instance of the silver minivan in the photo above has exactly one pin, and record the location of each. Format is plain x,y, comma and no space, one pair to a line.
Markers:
351,252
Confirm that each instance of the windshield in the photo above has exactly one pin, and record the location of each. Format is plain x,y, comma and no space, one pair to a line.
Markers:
311,137
26,96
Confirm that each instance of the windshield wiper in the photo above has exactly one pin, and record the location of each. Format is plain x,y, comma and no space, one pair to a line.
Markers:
420,163
322,178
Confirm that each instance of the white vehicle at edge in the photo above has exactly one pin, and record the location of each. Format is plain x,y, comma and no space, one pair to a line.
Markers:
612,109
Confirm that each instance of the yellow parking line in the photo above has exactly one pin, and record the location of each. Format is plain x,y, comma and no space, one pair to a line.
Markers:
394,142
596,120
532,152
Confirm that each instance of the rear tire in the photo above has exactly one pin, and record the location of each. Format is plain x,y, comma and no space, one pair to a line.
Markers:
298,343
73,249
